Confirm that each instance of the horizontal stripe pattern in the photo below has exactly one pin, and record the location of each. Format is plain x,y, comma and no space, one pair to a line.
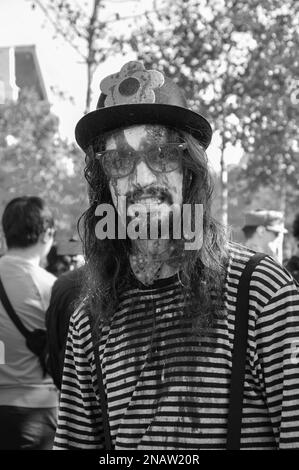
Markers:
166,389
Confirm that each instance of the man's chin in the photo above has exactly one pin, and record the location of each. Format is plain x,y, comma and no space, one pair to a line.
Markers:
152,247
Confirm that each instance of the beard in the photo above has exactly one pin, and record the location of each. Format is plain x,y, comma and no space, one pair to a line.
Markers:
150,212
153,222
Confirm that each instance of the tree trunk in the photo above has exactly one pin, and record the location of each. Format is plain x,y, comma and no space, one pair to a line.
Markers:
224,187
91,52
88,90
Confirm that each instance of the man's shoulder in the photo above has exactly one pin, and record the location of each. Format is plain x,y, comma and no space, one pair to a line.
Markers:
80,319
267,272
236,251
26,271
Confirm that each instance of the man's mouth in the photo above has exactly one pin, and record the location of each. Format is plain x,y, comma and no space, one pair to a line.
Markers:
149,200
151,196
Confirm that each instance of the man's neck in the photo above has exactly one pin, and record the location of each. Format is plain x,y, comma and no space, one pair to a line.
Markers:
29,254
149,260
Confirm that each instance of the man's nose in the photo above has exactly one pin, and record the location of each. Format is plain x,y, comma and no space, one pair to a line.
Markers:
143,174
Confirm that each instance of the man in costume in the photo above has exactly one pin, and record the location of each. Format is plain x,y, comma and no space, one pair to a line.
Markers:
157,317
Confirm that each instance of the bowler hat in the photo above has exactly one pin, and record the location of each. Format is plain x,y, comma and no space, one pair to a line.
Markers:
138,96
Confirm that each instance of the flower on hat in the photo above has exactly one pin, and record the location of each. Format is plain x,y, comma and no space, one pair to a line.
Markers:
133,84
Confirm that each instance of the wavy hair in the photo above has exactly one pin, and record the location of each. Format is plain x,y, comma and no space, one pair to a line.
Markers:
107,268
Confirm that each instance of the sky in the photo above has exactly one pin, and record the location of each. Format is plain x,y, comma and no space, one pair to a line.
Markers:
61,67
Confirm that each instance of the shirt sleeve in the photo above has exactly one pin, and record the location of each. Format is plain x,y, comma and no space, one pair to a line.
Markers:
277,337
79,419
43,283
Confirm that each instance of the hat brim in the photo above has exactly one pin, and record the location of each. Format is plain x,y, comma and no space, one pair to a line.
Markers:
107,119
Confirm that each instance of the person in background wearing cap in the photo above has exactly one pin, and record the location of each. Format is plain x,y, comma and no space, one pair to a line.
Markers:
64,256
162,315
264,231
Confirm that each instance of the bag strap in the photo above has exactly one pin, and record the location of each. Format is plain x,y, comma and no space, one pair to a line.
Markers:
101,387
239,355
11,312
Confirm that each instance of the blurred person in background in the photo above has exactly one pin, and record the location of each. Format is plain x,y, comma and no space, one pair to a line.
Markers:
292,265
64,256
28,398
65,293
264,231
57,264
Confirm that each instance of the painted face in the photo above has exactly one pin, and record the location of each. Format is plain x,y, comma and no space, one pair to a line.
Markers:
154,190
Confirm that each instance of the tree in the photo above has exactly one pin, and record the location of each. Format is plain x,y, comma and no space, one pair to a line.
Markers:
88,29
267,100
36,161
194,43
237,62
82,30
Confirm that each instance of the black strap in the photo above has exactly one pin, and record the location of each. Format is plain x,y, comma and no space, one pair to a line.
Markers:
11,312
101,387
239,355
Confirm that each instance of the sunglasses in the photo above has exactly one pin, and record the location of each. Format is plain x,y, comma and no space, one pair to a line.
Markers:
160,159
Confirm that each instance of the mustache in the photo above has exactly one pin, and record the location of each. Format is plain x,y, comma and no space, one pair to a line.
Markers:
158,192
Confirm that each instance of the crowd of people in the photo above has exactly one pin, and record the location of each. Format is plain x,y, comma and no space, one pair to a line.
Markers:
141,334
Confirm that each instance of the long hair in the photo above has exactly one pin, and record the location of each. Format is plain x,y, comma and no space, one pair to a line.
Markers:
202,272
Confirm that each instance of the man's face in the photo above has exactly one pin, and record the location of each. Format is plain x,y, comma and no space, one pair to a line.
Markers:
155,190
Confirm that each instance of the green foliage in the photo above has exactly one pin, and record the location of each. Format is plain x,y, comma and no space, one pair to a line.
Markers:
36,161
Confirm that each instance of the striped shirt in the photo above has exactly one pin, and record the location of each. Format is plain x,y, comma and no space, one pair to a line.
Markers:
166,389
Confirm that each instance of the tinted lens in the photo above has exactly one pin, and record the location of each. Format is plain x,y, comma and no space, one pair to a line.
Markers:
166,158
117,163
